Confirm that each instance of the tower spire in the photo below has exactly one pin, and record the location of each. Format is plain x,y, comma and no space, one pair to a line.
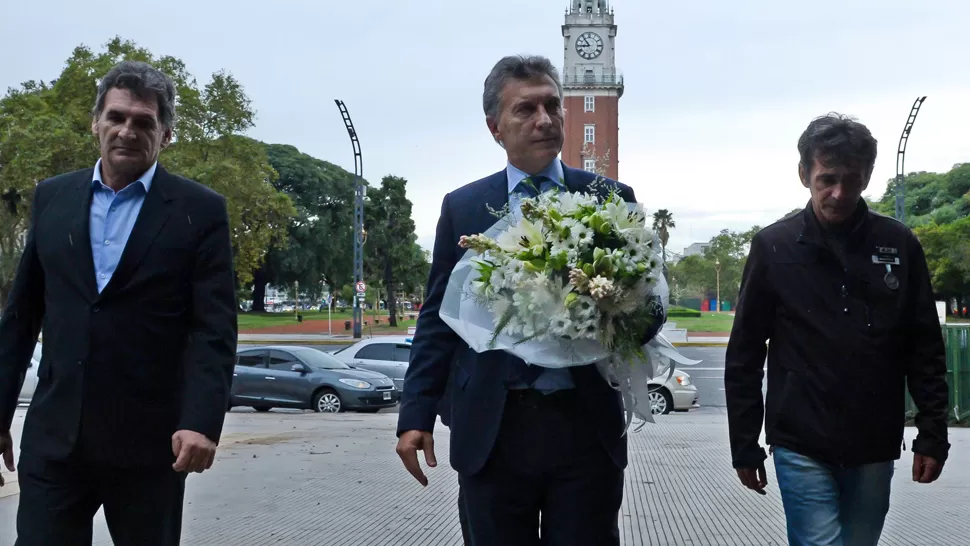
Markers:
592,7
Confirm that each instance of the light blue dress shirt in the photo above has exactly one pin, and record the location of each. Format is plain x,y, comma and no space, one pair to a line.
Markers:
551,379
112,217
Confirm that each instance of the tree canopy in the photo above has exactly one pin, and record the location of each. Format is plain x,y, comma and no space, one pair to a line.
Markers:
320,249
393,260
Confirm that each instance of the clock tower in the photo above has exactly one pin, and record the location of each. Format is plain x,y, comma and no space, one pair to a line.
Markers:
592,88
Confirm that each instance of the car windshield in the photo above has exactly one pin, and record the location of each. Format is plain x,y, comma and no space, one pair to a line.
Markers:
318,359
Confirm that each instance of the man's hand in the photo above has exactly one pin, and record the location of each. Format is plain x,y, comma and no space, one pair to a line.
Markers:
6,451
754,479
408,446
926,469
193,451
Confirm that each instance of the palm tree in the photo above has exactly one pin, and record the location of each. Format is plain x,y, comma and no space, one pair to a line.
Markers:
663,222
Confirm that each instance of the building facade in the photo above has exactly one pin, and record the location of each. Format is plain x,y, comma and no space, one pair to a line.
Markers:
592,88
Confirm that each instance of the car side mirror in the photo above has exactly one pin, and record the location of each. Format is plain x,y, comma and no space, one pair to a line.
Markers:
299,368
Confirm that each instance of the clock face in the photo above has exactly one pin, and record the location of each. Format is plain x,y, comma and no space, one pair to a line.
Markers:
589,45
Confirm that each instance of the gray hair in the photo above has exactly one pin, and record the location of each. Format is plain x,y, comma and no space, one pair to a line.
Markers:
143,80
837,139
515,67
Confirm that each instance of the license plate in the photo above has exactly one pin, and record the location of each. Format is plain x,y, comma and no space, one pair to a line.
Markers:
387,396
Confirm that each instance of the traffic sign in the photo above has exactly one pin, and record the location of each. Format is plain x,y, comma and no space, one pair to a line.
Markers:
361,287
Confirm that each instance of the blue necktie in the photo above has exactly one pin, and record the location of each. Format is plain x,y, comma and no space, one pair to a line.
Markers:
539,184
519,372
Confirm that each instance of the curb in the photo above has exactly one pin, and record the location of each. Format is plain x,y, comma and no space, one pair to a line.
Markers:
699,343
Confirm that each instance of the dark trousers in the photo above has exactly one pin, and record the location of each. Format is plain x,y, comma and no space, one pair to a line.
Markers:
547,475
463,517
58,501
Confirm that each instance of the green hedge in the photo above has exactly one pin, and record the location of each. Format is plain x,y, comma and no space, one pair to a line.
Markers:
683,312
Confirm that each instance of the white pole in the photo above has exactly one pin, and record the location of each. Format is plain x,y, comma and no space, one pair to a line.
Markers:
330,315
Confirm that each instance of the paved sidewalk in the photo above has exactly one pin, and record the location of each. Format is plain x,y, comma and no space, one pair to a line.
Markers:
309,479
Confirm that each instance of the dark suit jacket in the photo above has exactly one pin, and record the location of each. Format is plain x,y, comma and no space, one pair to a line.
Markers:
121,371
477,387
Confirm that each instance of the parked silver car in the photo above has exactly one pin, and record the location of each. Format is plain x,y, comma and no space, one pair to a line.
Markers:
305,378
674,393
388,355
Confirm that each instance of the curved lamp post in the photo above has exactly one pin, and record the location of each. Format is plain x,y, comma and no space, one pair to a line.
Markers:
717,271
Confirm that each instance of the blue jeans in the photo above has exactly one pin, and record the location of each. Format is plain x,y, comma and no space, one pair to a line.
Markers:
830,506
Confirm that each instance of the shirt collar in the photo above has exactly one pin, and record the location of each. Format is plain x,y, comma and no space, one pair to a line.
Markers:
553,171
145,179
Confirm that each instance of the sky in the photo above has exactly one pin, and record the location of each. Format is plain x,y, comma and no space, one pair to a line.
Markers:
716,95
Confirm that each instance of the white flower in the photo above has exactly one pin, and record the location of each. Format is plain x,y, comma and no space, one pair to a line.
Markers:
601,287
524,236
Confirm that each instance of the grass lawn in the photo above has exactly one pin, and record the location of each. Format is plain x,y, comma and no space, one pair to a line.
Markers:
317,321
707,322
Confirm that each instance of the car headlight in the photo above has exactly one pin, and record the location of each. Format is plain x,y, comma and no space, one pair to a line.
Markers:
356,383
684,380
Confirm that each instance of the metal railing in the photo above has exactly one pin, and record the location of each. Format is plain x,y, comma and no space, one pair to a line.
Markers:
594,80
957,340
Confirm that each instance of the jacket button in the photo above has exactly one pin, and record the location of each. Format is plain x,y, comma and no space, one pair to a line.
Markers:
96,308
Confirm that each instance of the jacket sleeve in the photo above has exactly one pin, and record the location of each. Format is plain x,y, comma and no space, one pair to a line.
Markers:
926,366
23,314
745,358
210,352
435,343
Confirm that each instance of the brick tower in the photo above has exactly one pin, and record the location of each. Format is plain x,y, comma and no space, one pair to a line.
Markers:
591,87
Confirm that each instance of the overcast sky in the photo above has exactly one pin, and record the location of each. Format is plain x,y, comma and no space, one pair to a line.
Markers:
716,96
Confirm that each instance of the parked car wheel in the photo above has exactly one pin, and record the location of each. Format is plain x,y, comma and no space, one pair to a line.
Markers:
327,401
661,402
262,409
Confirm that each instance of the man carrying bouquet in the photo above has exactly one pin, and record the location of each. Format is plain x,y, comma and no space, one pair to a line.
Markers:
844,296
525,440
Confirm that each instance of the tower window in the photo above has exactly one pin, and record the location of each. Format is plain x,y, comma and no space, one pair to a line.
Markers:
590,103
590,134
589,165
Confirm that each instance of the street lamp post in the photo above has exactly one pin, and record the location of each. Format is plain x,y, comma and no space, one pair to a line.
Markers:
359,233
717,271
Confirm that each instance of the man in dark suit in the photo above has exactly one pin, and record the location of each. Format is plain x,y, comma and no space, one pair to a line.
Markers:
524,440
128,271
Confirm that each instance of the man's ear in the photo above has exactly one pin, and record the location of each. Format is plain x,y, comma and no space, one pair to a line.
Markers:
493,128
166,138
94,126
803,175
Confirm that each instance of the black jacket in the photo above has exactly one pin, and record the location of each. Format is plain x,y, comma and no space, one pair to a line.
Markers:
843,345
153,353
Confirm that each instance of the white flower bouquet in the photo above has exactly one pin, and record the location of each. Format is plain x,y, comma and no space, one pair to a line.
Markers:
566,283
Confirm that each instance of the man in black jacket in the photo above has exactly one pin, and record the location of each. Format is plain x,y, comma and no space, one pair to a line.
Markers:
844,296
128,269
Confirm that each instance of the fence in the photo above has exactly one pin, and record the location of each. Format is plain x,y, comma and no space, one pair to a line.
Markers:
956,337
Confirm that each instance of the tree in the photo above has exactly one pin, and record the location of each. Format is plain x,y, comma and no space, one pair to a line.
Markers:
320,235
45,130
698,274
391,253
931,198
663,222
947,249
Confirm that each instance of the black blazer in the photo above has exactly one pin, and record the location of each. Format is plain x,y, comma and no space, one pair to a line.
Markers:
443,369
123,370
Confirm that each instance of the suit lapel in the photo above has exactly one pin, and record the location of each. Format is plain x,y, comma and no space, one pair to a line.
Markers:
79,236
496,196
151,219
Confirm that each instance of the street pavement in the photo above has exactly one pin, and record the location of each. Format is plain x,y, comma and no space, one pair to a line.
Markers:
289,477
